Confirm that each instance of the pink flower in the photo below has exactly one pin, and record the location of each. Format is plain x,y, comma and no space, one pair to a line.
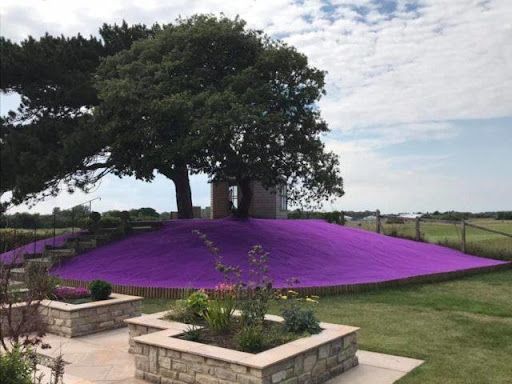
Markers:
71,293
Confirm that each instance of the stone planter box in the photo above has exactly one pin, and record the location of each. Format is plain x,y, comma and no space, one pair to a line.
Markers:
162,358
72,320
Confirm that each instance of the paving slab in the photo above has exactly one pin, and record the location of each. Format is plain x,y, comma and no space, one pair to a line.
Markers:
103,358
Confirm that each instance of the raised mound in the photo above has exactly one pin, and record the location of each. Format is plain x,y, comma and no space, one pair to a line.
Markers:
318,253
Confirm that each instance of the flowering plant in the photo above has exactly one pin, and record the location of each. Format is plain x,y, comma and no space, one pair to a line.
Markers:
70,293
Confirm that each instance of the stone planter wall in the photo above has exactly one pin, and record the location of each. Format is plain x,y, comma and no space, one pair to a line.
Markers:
29,325
72,320
164,359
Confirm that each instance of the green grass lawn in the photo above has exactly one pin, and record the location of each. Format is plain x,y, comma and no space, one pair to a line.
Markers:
478,242
462,328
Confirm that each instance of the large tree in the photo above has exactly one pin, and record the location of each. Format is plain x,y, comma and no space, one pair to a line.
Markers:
266,126
151,94
50,142
209,95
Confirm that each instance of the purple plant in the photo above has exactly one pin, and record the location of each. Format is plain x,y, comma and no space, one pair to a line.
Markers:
70,293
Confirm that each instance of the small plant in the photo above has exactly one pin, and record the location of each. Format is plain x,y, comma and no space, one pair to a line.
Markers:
39,282
219,314
100,290
193,333
180,311
15,367
250,338
57,370
197,302
297,319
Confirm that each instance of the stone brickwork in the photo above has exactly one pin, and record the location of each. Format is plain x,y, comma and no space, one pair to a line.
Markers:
72,320
162,358
16,312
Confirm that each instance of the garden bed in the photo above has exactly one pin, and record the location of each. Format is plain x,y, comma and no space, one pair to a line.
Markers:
72,320
161,356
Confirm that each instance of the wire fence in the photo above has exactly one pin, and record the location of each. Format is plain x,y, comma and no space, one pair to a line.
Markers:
486,238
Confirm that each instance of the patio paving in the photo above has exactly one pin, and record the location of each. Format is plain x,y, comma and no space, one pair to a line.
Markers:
103,358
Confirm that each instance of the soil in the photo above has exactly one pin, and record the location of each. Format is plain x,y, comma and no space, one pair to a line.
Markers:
274,335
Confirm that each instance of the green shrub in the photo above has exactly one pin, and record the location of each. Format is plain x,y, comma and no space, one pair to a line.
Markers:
180,312
197,302
250,338
15,367
297,320
100,290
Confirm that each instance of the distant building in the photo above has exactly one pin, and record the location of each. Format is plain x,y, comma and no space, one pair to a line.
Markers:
408,215
266,203
206,213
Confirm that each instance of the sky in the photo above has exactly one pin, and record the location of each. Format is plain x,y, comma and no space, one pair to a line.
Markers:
419,93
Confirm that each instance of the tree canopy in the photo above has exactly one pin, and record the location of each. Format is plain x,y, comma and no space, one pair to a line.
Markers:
205,94
50,142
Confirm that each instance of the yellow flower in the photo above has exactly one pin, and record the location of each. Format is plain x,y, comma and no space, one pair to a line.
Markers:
292,292
311,300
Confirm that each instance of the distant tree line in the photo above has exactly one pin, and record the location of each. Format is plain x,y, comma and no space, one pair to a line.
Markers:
456,216
358,215
77,217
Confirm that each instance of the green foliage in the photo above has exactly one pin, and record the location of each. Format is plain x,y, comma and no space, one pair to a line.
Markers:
110,222
193,333
298,320
15,367
335,217
179,311
51,140
256,295
95,217
197,302
250,338
394,220
297,317
219,315
100,290
504,215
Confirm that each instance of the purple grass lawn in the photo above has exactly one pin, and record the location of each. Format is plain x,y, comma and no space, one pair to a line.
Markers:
15,256
318,253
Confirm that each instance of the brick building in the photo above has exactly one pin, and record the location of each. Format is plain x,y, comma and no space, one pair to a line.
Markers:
266,203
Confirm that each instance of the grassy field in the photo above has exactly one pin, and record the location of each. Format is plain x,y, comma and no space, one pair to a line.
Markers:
462,329
478,242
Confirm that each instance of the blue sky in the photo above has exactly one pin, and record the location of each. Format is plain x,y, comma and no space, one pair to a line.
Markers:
419,93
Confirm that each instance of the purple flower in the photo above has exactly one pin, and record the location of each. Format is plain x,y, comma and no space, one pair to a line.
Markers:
71,293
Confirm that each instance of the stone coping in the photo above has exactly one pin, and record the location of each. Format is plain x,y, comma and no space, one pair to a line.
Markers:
115,298
165,339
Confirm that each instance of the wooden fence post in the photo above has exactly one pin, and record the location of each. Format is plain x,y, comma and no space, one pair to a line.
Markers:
418,233
377,223
463,236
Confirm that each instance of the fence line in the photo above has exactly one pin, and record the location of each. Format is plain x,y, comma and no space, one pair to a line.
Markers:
417,236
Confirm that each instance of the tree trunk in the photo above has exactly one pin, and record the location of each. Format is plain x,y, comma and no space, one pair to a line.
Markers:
245,201
183,193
